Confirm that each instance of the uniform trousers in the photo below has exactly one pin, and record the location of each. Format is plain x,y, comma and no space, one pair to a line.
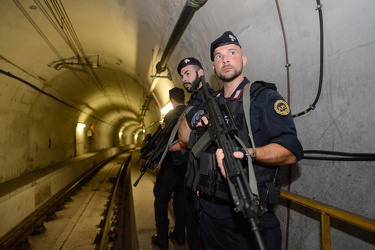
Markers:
169,181
194,238
223,232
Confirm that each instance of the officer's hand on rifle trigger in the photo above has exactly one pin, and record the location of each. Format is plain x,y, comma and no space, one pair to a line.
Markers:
203,122
220,157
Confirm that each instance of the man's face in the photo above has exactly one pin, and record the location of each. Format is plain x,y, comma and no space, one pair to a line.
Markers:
188,76
228,62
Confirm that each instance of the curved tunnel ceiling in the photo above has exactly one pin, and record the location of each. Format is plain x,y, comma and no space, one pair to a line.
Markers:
98,56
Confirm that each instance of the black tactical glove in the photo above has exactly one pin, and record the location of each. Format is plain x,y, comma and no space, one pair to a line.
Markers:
193,116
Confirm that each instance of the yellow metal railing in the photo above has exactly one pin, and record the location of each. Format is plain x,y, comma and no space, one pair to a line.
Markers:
326,212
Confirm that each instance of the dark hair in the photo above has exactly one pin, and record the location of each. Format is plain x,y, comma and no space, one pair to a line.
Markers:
177,94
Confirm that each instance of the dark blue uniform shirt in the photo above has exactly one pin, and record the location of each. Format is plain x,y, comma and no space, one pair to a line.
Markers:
268,123
271,122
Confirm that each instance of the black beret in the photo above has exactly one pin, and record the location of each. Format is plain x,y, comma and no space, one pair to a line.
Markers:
188,61
227,38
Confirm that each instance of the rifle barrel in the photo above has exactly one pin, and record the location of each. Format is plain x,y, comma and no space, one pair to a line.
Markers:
139,178
222,132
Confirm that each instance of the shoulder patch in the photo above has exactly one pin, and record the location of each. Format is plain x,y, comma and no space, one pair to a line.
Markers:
281,107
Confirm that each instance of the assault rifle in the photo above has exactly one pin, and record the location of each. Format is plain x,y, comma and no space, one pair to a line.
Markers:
161,140
222,131
150,144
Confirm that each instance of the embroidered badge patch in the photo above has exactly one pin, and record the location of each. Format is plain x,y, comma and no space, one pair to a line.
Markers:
281,107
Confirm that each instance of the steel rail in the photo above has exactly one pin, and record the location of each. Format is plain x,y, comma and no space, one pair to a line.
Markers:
20,232
105,236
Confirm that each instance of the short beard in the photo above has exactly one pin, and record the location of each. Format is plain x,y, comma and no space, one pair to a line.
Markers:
190,90
231,77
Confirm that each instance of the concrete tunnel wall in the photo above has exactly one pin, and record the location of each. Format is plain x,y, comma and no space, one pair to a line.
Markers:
38,132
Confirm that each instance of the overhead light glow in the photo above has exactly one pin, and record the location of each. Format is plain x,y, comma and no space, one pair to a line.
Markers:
166,108
81,125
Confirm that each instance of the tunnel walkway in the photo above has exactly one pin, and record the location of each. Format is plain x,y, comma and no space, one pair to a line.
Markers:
143,199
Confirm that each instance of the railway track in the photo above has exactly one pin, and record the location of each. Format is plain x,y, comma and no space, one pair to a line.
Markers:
89,214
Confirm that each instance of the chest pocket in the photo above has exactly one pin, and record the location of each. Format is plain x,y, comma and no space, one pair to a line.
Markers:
239,121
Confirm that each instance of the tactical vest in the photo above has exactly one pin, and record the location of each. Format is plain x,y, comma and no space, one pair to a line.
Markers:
203,176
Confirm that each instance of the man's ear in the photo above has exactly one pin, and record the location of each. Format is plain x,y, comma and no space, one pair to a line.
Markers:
200,72
244,60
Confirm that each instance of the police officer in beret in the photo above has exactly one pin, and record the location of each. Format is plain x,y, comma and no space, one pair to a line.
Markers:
190,69
276,144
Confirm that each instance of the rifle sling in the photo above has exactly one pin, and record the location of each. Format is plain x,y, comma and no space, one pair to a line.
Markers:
246,107
252,180
171,137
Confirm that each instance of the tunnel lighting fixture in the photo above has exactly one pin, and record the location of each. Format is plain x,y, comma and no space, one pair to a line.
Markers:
120,133
81,125
166,108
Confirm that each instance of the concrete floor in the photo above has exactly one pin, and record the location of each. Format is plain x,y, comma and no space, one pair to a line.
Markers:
144,209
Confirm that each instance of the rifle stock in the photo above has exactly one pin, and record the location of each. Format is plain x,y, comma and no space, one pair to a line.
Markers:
222,131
